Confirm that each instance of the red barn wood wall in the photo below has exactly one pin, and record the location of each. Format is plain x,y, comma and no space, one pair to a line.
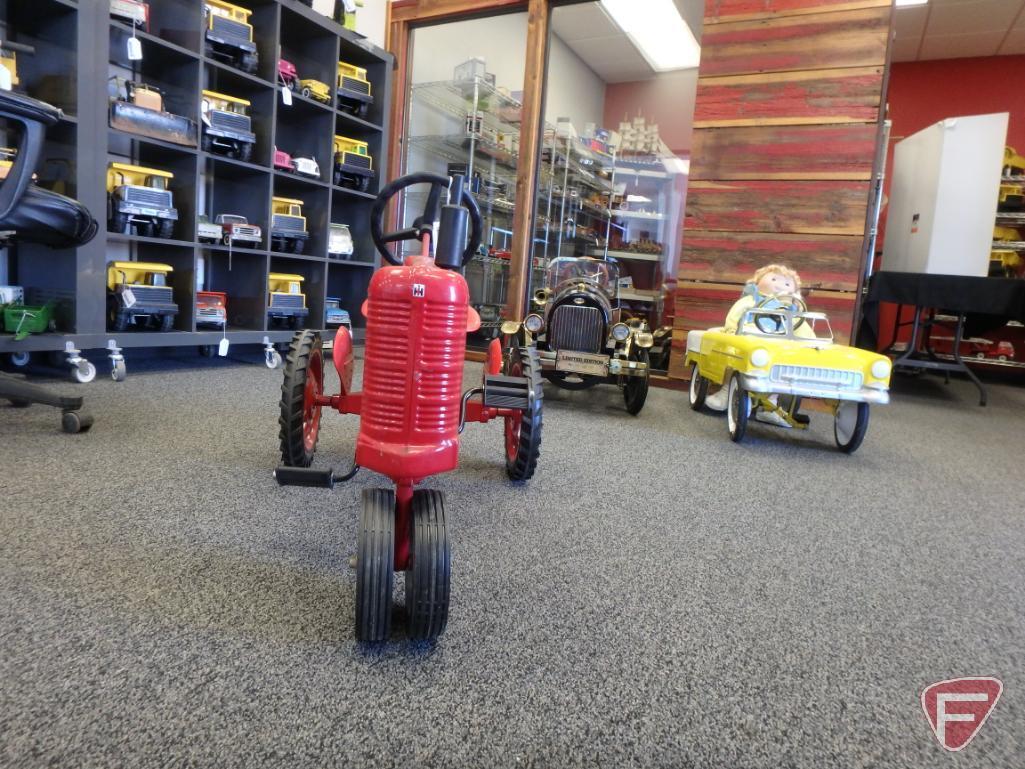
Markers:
789,99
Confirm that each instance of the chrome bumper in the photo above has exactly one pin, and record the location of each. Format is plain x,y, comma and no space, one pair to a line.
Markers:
617,366
762,384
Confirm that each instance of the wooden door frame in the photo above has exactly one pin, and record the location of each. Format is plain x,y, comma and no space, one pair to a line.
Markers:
404,15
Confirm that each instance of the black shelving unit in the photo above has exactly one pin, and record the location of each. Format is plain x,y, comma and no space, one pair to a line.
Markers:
78,48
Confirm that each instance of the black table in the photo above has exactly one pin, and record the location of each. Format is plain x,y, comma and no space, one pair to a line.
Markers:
979,304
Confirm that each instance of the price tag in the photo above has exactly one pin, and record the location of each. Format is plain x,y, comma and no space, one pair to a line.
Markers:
134,49
222,348
286,96
128,296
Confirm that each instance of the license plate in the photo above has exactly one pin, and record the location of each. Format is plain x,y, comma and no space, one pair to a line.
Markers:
581,363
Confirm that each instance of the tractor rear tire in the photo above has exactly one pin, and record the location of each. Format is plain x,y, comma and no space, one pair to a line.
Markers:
375,565
429,571
523,432
635,391
300,415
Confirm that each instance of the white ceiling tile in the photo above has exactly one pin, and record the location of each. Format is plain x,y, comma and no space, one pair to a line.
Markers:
911,21
905,50
579,22
1015,42
960,46
960,17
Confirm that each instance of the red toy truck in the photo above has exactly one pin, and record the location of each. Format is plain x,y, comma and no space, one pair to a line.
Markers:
288,74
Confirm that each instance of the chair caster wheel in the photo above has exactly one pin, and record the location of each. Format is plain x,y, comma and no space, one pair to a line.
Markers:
76,422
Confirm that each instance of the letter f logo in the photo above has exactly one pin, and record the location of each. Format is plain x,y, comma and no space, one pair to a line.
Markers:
957,708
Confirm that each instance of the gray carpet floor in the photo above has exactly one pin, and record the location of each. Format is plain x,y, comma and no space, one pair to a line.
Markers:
656,596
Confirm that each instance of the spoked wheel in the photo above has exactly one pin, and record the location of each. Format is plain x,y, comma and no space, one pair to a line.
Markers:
635,391
427,578
375,562
523,432
300,413
738,409
698,388
849,425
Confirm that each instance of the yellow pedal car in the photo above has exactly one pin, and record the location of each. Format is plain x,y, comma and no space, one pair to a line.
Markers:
780,354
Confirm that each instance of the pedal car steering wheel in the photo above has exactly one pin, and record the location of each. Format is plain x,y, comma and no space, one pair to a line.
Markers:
423,225
771,324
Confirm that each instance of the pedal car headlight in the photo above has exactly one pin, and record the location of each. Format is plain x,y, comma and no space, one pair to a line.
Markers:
620,332
644,339
760,357
510,327
881,369
533,323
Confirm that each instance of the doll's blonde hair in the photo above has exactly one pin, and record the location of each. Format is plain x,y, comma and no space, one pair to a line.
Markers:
782,269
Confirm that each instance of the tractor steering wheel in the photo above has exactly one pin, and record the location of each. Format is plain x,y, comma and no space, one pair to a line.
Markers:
769,324
424,224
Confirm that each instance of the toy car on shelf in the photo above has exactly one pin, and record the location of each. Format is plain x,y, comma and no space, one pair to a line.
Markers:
132,11
412,407
21,319
139,109
288,75
138,197
316,90
353,90
287,304
283,161
227,129
780,354
334,315
138,291
288,226
353,166
211,308
235,230
581,338
306,167
207,231
229,35
339,241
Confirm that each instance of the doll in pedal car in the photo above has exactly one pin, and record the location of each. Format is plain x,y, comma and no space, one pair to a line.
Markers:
773,280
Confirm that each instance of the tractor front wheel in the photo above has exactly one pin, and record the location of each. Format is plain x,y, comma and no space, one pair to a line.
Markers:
523,431
300,413
427,577
375,563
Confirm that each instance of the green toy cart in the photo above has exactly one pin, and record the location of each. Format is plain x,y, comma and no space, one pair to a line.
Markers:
22,319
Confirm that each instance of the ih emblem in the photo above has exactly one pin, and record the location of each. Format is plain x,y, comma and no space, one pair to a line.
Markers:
419,290
957,708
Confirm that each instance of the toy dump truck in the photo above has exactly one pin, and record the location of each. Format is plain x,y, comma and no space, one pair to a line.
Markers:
353,165
287,303
288,226
138,291
229,35
139,198
211,308
227,129
139,109
354,93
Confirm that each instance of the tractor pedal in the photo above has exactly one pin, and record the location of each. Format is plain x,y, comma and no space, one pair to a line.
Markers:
506,392
305,476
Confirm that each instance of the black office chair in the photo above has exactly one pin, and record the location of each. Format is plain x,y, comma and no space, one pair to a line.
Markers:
29,214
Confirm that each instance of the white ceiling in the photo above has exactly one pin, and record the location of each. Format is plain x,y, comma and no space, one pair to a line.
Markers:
602,45
953,29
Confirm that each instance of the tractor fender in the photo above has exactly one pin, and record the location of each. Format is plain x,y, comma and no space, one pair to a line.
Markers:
341,352
493,365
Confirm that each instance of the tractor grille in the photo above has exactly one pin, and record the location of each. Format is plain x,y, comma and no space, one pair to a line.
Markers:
150,294
576,328
352,84
230,121
845,380
286,222
352,159
386,378
287,301
235,30
145,196
442,350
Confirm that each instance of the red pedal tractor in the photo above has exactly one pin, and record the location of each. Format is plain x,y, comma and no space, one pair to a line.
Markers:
412,406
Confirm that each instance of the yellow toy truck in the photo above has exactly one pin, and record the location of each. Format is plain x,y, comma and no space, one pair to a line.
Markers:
229,35
288,226
139,198
353,90
314,89
139,291
354,168
287,303
227,129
